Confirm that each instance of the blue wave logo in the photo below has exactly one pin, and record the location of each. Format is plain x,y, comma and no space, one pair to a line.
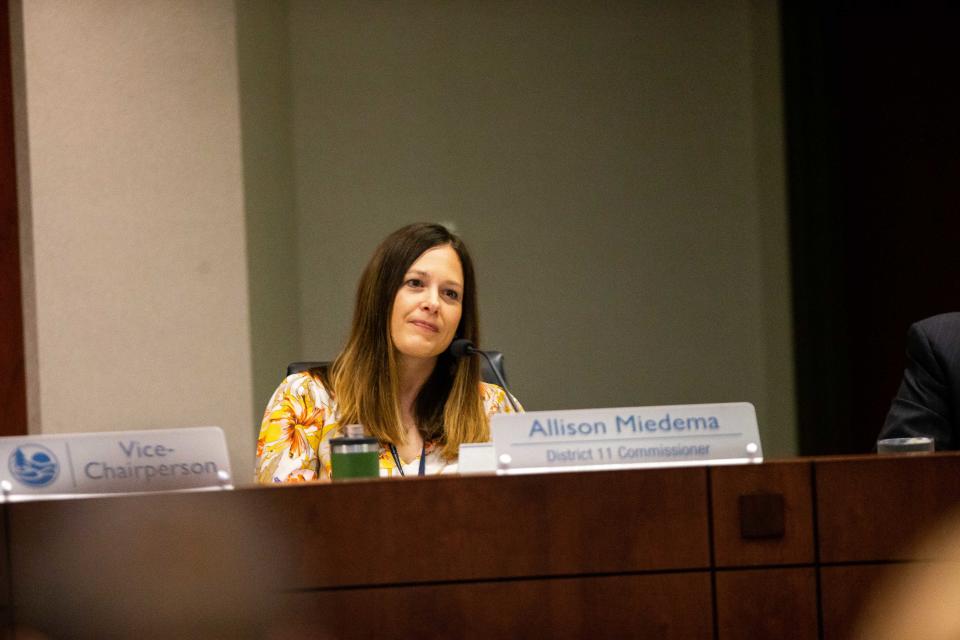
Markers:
34,465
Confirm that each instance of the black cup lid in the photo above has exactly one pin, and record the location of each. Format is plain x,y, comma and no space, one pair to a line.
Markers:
347,441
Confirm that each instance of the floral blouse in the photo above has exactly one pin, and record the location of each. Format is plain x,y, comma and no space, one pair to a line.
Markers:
301,417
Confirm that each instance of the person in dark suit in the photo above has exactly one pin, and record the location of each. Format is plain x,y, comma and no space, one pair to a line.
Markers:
928,402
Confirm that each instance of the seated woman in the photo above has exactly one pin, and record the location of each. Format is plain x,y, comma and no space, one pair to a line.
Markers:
395,376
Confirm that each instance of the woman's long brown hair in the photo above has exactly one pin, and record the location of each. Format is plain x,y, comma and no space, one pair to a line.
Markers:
364,378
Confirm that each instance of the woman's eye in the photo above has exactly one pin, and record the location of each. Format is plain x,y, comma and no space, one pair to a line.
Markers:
414,282
453,295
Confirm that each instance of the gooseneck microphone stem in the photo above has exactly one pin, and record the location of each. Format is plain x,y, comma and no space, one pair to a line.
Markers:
462,347
496,372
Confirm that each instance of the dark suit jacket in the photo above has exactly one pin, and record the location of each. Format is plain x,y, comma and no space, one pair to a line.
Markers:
928,402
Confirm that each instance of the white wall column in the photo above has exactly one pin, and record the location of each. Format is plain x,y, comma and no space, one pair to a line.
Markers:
133,217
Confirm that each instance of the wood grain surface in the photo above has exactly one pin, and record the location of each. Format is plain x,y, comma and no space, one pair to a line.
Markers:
791,479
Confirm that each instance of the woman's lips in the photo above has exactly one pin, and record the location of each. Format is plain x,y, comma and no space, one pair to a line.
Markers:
423,324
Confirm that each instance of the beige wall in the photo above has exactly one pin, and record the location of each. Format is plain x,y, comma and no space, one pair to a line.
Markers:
616,169
133,215
268,175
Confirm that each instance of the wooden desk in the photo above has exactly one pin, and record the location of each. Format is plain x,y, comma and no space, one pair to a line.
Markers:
650,553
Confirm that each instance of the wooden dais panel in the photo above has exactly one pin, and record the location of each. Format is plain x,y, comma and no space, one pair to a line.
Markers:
844,592
768,603
663,606
871,508
745,505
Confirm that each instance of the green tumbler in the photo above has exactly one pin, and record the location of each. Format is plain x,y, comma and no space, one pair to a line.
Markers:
354,456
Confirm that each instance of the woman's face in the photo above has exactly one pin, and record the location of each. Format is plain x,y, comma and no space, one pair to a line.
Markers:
428,305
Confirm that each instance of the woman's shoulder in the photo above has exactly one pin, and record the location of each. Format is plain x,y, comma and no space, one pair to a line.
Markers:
305,383
495,398
490,390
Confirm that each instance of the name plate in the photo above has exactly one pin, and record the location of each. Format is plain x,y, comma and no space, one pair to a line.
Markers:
585,439
54,466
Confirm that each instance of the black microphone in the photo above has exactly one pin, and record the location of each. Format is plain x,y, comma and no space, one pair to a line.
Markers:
463,347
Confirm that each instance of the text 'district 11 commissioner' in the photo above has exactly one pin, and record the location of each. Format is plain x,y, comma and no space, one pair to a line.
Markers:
663,436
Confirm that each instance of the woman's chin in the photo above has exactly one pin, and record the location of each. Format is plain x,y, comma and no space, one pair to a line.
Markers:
420,352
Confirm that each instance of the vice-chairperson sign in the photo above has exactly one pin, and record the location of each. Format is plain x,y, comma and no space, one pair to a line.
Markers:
667,436
47,466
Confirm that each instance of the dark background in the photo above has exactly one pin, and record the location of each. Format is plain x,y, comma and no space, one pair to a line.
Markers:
871,107
13,390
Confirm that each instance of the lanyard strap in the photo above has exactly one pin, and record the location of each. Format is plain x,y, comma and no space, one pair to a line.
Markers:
423,460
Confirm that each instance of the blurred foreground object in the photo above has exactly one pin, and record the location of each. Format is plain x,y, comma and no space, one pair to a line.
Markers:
920,599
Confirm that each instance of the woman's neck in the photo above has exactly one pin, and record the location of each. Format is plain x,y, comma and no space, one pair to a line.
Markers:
414,373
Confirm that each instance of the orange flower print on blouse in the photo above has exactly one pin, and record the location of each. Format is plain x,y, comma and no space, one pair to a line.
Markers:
294,442
290,433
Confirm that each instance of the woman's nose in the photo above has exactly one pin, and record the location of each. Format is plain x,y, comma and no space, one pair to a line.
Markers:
431,298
